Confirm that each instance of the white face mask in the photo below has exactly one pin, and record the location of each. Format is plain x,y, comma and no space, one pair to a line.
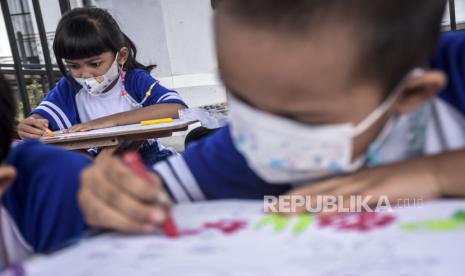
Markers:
95,87
283,151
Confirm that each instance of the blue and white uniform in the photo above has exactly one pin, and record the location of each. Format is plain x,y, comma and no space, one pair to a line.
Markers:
41,211
69,104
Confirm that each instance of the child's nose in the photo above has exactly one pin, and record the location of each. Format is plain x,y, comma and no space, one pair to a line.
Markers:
86,74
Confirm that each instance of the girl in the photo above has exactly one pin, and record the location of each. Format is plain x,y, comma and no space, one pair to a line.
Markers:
103,84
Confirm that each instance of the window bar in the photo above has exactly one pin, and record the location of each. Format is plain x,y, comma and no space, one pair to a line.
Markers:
16,58
64,6
44,43
453,20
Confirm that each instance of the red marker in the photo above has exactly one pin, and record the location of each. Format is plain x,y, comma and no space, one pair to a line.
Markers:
133,160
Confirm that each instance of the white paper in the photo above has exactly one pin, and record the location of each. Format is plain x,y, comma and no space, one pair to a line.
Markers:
113,131
263,251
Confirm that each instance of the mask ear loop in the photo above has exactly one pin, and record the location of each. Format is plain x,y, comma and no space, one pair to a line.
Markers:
124,92
381,110
122,75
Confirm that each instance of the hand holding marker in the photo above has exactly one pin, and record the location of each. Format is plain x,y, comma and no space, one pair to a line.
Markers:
133,160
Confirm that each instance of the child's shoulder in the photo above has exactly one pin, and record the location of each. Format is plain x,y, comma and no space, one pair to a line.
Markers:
457,36
449,51
64,89
450,59
138,80
138,74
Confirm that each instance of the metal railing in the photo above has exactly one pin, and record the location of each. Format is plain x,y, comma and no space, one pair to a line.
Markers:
452,15
26,41
31,68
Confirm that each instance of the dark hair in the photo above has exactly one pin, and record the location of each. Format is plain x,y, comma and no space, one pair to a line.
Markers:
214,3
88,32
393,36
7,117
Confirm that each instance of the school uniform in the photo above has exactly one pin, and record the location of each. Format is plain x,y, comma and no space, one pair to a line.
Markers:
40,210
69,104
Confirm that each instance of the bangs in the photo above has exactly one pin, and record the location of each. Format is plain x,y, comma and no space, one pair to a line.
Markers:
84,33
81,38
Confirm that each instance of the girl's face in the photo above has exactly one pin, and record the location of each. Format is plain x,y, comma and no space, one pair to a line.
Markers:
90,67
97,66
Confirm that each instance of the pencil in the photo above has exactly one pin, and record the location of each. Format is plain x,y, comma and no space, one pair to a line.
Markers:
49,132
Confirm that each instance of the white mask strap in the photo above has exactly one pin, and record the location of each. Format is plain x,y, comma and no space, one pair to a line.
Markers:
384,107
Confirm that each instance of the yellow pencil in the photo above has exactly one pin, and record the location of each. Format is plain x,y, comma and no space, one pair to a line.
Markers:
156,122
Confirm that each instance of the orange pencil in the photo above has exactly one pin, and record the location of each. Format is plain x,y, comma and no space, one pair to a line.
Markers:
49,132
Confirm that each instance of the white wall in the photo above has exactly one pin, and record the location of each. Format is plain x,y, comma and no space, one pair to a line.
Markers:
460,12
177,35
460,6
189,34
145,27
4,44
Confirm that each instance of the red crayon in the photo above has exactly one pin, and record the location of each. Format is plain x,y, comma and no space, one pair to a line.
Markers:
133,160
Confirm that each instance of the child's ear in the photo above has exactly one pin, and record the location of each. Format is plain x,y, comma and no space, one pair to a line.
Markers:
419,90
123,55
7,176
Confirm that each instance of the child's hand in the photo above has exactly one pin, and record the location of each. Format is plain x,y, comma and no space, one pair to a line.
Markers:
96,124
113,197
32,128
401,183
7,177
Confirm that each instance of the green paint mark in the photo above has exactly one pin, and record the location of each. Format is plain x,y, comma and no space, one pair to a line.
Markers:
443,225
279,222
410,227
459,215
304,223
433,225
266,220
457,221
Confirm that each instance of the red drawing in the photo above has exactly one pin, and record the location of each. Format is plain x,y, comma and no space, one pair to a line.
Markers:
361,222
226,227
